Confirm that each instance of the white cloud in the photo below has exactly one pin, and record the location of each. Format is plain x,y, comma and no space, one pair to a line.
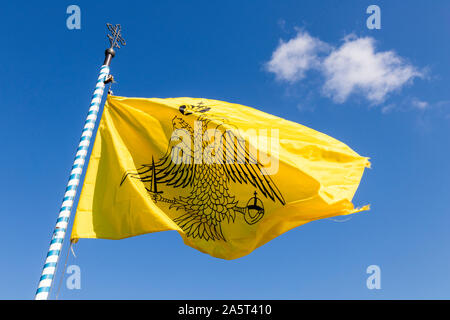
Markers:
355,67
292,59
352,68
421,105
388,108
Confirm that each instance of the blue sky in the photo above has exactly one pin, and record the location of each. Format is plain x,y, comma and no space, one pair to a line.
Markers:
220,50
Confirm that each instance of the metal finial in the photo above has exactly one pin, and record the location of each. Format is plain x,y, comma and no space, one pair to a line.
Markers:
115,38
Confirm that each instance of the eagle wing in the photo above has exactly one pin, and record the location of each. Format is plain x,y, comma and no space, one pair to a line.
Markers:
177,169
245,167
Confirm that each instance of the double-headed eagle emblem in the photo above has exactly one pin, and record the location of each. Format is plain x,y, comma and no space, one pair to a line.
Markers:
210,202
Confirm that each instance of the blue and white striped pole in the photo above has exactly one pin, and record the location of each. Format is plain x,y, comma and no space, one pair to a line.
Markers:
51,261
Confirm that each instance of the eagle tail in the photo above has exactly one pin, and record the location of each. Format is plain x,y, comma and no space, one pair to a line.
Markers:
194,226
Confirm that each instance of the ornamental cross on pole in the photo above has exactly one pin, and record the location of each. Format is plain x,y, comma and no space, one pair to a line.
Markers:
115,38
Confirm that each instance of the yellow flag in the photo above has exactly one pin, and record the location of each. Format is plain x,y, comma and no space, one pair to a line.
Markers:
227,177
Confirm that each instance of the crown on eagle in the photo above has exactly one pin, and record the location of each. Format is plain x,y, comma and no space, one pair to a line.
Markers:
188,109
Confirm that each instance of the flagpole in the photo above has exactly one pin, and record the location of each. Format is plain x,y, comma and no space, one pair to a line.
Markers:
59,232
